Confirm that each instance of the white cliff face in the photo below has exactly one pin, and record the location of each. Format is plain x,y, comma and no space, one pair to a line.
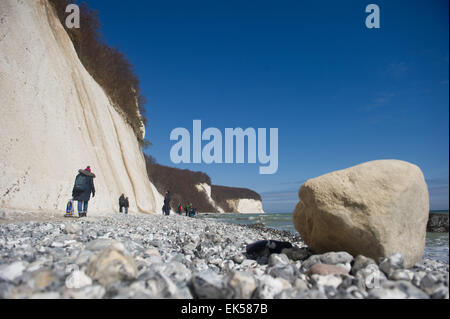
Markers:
55,119
205,188
246,206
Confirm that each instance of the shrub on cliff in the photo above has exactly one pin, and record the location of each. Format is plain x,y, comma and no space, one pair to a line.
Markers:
108,66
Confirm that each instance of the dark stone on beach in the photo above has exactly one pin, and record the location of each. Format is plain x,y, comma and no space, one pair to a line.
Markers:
266,247
296,253
437,223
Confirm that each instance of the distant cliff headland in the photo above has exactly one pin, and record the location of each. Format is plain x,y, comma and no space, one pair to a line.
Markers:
196,187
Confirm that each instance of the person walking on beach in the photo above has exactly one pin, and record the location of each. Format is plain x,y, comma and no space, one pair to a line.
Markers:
121,202
187,208
167,203
127,204
180,209
82,190
192,212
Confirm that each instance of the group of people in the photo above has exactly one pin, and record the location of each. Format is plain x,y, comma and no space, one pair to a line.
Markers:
123,204
84,187
189,210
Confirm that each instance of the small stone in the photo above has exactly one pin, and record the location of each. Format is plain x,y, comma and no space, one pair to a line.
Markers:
268,287
397,290
41,279
238,259
88,292
208,285
78,279
6,290
369,277
12,271
160,286
177,272
112,264
418,276
277,260
324,270
248,263
402,274
429,284
361,262
329,280
440,292
57,245
72,228
285,272
240,285
301,284
389,265
334,258
296,253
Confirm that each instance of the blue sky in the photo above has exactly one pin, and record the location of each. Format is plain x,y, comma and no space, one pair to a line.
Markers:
339,93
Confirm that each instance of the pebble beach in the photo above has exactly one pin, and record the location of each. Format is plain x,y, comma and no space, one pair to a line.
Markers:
154,256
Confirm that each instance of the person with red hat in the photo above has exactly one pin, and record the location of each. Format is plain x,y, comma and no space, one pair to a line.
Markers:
82,190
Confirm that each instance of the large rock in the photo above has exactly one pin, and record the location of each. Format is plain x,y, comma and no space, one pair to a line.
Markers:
375,209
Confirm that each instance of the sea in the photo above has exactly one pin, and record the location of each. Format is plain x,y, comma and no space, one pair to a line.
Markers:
436,243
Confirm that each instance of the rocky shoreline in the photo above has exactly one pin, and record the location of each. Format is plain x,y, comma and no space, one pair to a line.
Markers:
437,223
154,256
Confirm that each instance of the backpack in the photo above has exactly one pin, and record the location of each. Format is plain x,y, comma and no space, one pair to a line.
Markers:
80,185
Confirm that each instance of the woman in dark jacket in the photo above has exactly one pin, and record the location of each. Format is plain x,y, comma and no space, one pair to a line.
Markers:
127,204
121,202
82,190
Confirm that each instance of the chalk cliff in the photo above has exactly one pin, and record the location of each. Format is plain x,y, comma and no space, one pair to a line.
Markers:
206,189
246,205
55,119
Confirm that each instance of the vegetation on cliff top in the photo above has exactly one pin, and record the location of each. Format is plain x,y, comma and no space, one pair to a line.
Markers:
108,66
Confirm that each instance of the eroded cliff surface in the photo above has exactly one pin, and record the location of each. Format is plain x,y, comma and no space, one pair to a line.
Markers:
55,119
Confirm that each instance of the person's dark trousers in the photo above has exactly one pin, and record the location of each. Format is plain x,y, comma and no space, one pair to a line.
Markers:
82,208
120,210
